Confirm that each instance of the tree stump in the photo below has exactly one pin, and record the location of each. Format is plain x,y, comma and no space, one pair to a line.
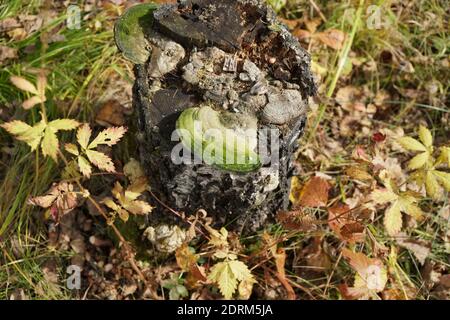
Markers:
230,65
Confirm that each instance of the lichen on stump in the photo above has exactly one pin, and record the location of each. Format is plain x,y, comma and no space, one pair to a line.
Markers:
232,66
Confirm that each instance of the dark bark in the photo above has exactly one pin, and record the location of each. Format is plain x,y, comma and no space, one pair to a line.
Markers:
245,31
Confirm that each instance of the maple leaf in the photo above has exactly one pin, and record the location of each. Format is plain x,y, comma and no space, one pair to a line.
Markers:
398,202
61,199
370,278
38,91
87,156
42,133
227,275
126,201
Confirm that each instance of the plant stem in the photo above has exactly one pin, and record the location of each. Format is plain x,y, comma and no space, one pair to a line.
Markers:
128,249
341,64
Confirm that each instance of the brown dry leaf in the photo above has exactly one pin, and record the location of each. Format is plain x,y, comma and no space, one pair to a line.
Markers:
371,276
343,225
332,37
297,220
350,98
314,193
420,248
7,53
280,260
111,113
185,257
359,173
61,199
316,257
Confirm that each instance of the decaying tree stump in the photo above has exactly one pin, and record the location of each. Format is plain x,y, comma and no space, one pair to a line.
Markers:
235,62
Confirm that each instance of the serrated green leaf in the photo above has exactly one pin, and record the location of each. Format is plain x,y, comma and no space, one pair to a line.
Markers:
411,144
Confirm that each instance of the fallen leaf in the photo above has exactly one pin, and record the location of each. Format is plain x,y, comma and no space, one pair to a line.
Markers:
7,53
111,113
420,248
332,37
313,194
344,225
297,220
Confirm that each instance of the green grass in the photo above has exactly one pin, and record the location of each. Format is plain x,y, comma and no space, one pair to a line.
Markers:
80,66
78,70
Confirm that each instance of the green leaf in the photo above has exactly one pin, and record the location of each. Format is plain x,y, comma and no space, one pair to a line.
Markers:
411,144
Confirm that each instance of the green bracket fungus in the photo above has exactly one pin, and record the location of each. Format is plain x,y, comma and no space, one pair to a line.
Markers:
129,32
223,139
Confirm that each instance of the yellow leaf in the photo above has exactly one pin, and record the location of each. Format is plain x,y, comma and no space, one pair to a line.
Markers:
83,135
185,257
50,144
382,196
84,166
245,289
222,274
411,209
110,204
64,124
418,161
358,173
100,160
393,219
138,207
411,144
30,103
124,215
108,137
71,148
425,136
16,127
24,84
240,270
136,188
443,178
445,155
431,185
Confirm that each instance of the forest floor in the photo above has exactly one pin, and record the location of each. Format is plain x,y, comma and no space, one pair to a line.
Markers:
371,209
